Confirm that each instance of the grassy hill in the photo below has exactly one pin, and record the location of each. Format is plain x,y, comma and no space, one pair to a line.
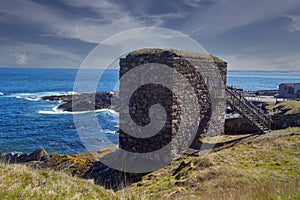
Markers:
255,168
284,107
260,168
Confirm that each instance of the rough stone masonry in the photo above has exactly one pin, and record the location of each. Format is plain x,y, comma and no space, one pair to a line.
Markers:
199,70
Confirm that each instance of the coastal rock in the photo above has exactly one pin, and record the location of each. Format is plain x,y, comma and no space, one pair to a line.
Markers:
66,97
38,155
74,165
9,158
84,101
23,157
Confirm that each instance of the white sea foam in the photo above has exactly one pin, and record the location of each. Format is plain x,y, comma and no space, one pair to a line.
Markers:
37,95
68,93
56,111
1,93
32,98
16,152
110,132
115,113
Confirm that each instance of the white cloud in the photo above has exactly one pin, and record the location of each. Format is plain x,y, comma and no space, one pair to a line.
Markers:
251,62
294,24
21,59
192,3
111,19
37,55
160,20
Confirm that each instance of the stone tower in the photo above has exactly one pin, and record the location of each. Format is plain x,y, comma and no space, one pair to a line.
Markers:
206,75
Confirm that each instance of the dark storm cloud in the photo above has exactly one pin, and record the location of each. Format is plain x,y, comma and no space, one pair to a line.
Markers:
248,34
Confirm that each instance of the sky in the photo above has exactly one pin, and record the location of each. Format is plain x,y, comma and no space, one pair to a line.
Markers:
249,35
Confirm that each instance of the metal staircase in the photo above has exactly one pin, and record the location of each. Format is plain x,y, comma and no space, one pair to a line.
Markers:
248,110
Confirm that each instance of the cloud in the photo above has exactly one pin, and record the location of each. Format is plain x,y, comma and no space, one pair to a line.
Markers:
121,44
206,17
100,19
159,20
294,24
56,23
226,15
2,38
192,3
110,19
37,55
21,59
251,62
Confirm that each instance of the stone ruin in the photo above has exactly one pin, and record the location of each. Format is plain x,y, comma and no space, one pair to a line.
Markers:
207,76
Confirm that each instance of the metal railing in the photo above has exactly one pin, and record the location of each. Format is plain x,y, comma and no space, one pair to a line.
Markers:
248,109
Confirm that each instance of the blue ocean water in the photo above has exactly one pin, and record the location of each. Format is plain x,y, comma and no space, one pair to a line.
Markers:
27,123
251,80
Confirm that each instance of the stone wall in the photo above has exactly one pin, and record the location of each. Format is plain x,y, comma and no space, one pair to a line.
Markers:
243,126
239,126
285,121
188,65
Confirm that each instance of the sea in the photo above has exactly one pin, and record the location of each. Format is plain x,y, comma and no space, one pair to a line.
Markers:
28,123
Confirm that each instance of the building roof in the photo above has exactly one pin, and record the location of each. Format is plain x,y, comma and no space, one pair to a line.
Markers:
288,84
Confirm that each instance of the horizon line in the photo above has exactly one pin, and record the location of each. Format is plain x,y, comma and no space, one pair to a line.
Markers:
77,68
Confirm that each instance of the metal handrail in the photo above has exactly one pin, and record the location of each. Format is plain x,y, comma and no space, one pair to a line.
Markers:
251,105
253,110
245,100
262,117
256,114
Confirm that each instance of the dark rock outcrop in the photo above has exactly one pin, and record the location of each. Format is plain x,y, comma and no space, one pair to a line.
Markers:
74,165
38,155
84,101
65,97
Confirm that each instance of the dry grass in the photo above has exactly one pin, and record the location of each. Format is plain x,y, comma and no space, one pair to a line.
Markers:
21,182
284,107
261,168
290,129
178,52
